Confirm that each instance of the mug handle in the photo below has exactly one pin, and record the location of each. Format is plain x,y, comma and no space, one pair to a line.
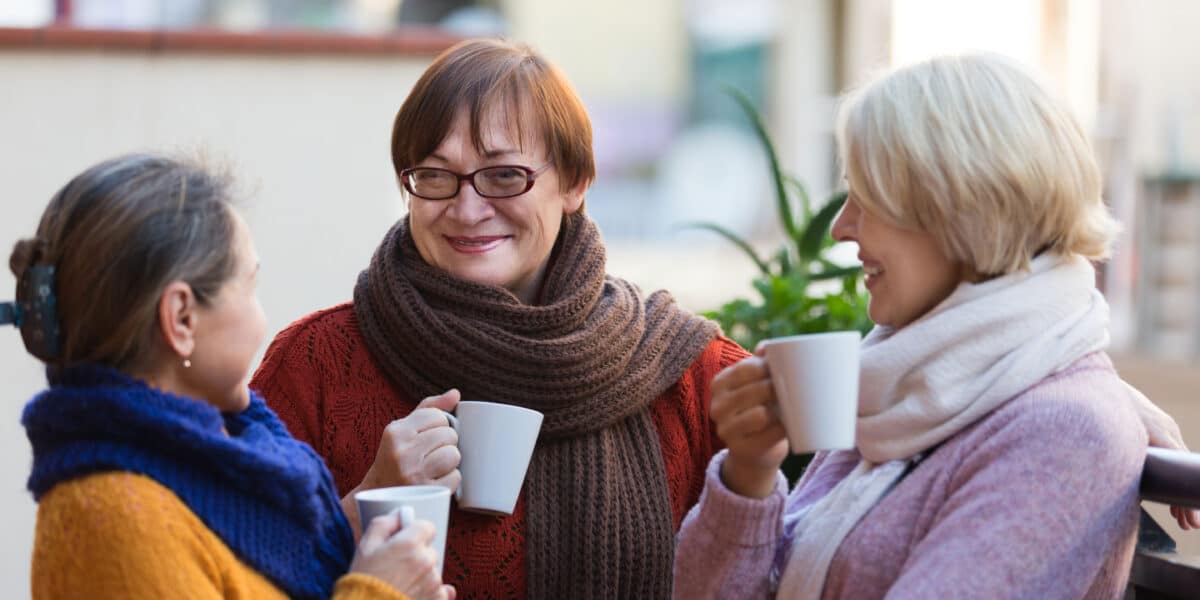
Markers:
454,425
407,515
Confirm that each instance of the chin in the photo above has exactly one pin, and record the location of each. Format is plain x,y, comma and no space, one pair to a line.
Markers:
483,275
883,320
236,401
873,313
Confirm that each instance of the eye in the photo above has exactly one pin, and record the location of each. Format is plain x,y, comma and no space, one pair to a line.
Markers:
430,176
505,175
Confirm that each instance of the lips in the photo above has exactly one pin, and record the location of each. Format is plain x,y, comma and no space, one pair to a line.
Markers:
872,269
477,244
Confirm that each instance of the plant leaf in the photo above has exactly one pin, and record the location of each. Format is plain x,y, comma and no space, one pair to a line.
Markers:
735,240
783,258
817,229
802,196
835,273
783,204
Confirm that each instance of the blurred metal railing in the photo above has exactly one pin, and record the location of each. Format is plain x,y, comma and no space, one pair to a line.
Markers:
1159,572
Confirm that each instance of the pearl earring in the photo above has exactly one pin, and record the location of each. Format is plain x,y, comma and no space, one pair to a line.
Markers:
187,363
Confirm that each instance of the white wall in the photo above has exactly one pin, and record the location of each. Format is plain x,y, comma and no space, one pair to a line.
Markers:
803,93
611,50
308,137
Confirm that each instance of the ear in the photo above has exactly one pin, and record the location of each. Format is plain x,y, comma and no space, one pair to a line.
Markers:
177,318
573,200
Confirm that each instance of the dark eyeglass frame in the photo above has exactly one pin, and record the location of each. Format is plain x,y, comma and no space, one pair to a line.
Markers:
531,176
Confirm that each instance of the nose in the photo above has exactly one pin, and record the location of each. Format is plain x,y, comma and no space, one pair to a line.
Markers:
845,226
468,206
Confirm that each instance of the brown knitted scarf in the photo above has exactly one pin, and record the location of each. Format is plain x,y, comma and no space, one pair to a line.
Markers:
591,356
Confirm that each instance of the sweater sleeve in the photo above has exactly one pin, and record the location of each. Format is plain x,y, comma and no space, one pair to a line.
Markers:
357,586
116,535
727,544
1038,505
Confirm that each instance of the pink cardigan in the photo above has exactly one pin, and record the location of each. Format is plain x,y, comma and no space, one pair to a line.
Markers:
1036,500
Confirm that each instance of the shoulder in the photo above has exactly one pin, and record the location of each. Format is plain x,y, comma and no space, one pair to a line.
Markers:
691,393
337,320
118,521
308,340
1087,399
1081,418
124,535
116,504
720,353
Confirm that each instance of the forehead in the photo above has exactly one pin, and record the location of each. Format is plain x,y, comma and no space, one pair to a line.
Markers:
502,124
243,241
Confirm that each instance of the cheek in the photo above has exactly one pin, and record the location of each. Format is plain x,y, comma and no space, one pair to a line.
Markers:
243,337
420,220
925,287
257,333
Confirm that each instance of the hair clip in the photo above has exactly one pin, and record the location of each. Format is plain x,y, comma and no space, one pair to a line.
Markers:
36,312
10,314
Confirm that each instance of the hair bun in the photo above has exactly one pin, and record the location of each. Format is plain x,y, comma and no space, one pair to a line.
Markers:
25,254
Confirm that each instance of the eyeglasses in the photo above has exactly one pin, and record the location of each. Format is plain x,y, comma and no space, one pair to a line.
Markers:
500,181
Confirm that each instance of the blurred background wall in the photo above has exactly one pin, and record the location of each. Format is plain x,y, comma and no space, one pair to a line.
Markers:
306,131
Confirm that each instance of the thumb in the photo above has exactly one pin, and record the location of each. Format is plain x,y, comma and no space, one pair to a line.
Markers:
420,531
445,401
380,529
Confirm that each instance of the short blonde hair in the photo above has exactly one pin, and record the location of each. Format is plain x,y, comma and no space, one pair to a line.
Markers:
973,150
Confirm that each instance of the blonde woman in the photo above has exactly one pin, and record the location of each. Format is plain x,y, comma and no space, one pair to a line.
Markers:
998,451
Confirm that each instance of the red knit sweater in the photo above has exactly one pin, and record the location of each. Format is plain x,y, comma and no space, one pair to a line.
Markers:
323,382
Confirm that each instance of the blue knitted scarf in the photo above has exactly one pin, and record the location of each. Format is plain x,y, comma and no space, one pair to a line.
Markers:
267,495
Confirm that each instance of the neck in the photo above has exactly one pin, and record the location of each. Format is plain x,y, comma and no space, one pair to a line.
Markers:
167,378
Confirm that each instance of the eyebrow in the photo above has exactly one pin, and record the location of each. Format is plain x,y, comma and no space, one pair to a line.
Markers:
489,154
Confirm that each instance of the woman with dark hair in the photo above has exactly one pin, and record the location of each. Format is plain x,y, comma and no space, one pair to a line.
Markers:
157,472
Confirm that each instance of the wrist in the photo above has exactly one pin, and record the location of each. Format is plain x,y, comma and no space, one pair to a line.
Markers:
350,509
746,478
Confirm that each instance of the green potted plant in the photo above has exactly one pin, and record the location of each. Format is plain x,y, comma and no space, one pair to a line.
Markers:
787,302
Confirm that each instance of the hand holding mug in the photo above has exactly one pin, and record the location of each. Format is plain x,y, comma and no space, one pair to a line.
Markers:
399,551
420,449
743,410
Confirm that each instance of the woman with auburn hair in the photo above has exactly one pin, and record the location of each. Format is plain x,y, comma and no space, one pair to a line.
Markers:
494,287
157,472
998,453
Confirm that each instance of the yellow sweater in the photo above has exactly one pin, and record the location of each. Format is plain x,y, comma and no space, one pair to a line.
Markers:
121,535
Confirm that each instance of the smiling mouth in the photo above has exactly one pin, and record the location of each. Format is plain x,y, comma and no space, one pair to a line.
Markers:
475,244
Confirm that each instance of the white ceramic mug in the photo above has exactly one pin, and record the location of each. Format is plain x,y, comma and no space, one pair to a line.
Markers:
426,502
815,377
496,442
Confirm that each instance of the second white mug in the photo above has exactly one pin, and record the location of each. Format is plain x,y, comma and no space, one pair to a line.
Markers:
496,442
427,502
